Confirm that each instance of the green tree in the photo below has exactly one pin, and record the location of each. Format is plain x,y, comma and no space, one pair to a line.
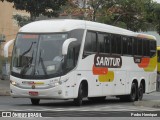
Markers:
35,8
157,18
97,5
22,20
134,15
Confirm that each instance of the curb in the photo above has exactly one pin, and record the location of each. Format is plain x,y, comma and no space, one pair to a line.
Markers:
4,92
4,87
151,103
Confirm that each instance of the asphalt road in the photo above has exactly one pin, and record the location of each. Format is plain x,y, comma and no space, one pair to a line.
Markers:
7,103
65,109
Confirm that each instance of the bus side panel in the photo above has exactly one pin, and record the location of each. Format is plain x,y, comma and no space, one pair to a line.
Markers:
151,83
69,83
84,68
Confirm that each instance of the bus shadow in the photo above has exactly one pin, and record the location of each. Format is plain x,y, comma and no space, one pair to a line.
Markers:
70,103
86,102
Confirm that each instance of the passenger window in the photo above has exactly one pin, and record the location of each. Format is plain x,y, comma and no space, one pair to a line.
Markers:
140,47
90,43
119,44
152,48
115,44
146,48
158,54
101,41
127,45
104,43
107,43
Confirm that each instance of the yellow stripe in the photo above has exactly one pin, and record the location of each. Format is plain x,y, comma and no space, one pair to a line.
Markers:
39,83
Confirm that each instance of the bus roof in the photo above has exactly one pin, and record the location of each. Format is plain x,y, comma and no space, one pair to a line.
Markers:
63,25
50,26
140,35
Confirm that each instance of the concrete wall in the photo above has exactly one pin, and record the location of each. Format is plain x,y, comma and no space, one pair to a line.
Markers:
8,26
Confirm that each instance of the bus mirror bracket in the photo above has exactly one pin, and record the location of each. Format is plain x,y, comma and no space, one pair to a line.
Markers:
66,44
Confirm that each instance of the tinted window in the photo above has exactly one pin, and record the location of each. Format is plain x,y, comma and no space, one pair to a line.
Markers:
140,47
104,43
135,47
101,41
127,45
73,49
115,44
107,43
158,52
146,48
152,48
90,43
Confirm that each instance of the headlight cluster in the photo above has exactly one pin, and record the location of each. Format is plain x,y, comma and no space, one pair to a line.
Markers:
55,83
14,83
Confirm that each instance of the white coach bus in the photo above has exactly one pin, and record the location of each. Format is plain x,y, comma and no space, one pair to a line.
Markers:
76,59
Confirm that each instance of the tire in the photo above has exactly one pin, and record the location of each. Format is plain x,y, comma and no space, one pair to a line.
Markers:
133,94
35,101
79,99
140,92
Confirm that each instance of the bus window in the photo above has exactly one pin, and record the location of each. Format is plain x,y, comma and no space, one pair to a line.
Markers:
72,57
90,43
107,43
127,45
115,44
119,45
158,54
152,48
135,47
140,47
146,48
104,42
101,41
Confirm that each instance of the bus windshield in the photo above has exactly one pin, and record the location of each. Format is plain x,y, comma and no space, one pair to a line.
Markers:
38,55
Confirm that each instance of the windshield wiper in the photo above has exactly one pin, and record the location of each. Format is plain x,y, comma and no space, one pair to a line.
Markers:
29,61
28,64
42,63
28,49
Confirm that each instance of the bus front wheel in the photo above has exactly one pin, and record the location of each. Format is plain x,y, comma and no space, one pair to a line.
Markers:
79,99
35,101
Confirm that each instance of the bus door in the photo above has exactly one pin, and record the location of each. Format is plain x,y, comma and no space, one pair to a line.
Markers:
70,64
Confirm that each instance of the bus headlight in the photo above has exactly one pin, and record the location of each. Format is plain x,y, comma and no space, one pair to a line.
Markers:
55,83
13,83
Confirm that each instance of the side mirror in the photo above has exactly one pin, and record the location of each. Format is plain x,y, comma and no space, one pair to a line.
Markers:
66,44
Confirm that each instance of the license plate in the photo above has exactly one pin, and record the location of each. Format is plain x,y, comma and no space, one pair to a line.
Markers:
33,93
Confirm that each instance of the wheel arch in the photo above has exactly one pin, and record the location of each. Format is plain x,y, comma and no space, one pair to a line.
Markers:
85,87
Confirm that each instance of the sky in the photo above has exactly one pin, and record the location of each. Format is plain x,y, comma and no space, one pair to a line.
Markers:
157,1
